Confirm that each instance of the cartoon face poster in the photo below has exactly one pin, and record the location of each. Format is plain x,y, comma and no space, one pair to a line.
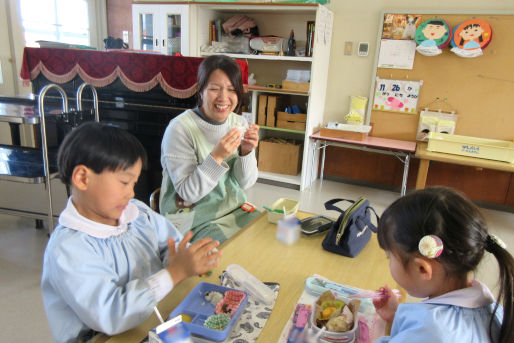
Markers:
432,35
471,37
400,26
396,95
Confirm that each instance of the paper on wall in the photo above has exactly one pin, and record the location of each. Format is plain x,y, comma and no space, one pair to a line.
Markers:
397,54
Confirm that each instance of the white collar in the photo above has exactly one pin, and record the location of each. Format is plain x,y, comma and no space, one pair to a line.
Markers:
72,219
478,295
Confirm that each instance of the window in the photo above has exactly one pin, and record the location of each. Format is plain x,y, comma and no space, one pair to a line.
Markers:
65,21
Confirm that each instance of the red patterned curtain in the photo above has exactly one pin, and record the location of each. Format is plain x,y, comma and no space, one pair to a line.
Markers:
139,72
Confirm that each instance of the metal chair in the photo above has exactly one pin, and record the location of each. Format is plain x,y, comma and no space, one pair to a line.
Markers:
154,199
41,108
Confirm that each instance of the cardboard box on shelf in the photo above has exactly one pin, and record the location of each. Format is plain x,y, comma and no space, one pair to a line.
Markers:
274,102
296,86
261,110
291,121
280,156
335,133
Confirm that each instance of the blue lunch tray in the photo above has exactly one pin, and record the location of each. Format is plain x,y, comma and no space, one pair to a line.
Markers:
199,309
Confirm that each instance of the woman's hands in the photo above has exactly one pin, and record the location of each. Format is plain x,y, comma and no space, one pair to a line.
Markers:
251,140
231,141
386,304
196,259
227,145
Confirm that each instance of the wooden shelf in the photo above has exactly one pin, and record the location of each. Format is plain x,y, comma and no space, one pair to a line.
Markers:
276,90
281,129
291,179
260,57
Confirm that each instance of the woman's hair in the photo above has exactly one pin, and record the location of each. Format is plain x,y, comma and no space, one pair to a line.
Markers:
226,65
458,223
98,146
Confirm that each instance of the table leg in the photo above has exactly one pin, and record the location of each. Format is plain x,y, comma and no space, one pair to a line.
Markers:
322,162
405,174
313,167
421,179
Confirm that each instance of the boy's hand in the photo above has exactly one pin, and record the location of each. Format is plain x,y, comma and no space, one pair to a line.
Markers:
251,140
386,304
227,145
193,260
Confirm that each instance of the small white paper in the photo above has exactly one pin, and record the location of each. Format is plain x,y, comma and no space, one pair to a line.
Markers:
323,28
397,54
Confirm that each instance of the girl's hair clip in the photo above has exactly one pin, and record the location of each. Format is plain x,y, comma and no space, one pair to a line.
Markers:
430,246
497,240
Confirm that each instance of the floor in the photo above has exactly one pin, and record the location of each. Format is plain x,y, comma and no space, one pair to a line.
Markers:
21,250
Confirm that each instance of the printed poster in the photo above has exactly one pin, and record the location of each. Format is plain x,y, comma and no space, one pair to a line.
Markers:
400,26
396,95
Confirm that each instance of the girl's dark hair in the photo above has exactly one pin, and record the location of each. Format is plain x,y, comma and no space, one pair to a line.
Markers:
457,221
480,39
229,67
98,146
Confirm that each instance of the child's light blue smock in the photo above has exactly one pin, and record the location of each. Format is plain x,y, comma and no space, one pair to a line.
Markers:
103,278
458,316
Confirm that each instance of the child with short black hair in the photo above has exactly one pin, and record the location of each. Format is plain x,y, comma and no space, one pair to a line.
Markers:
111,259
435,239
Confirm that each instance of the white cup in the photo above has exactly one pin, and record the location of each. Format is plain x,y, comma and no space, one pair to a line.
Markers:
288,230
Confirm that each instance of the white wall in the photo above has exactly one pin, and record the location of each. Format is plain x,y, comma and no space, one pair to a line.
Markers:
8,85
358,21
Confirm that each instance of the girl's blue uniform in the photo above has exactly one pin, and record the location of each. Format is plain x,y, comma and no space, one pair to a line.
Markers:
459,316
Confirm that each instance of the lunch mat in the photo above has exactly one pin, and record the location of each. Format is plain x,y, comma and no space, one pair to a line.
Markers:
371,326
255,315
252,319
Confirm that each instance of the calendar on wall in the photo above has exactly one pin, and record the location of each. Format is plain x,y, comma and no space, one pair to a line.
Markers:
396,95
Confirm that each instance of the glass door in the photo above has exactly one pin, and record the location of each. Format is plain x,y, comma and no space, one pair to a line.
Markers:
176,29
145,28
146,32
173,35
161,28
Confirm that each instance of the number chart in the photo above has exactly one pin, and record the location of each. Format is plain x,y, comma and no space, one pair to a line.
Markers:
396,95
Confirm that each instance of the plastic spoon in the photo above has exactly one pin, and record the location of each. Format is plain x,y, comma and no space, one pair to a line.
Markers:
158,314
270,210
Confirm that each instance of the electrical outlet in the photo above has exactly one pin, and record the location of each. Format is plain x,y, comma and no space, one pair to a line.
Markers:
348,47
125,37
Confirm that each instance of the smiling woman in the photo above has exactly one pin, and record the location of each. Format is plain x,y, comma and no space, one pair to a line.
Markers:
208,157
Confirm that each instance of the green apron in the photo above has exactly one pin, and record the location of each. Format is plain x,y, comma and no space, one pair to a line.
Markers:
218,214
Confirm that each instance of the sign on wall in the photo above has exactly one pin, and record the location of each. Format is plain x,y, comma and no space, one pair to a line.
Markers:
396,95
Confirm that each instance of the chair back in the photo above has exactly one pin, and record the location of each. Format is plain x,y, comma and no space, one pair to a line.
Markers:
154,199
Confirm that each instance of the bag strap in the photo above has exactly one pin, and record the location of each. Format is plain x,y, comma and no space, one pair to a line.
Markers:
374,228
329,205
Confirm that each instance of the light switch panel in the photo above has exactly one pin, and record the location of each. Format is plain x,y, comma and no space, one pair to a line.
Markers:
125,37
348,47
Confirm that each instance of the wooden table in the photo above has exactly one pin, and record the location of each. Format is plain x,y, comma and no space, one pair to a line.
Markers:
379,145
256,249
426,156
